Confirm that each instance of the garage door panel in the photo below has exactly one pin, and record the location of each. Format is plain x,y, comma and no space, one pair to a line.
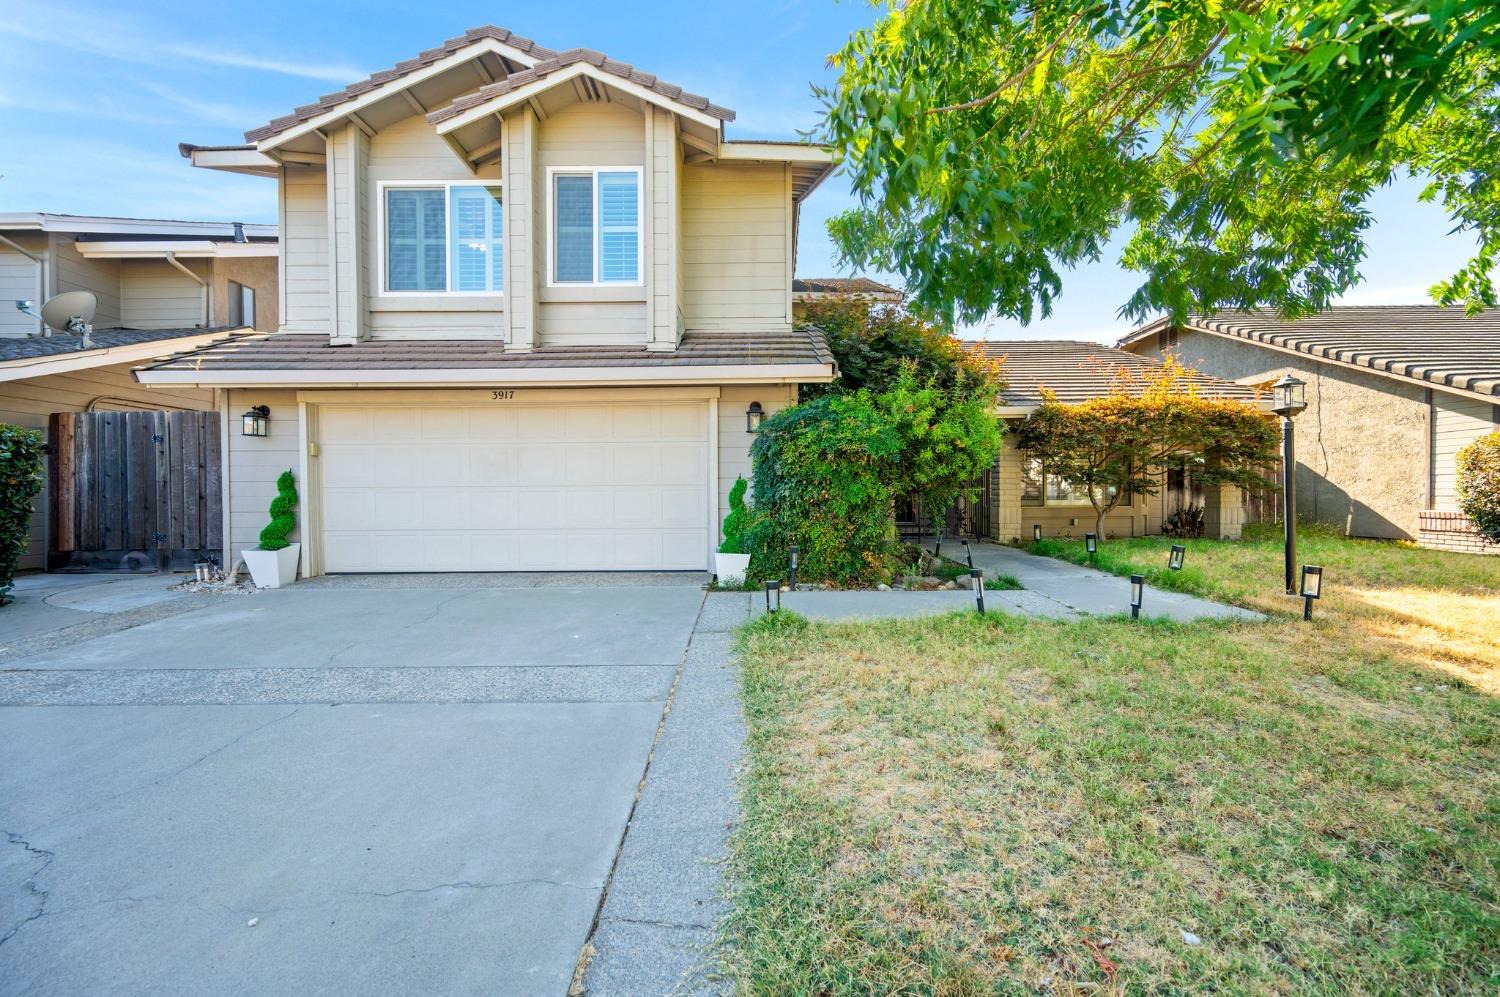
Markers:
526,488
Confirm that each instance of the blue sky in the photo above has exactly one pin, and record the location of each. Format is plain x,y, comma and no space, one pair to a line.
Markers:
95,98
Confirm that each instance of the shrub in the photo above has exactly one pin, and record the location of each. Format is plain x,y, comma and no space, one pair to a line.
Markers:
1479,484
283,514
736,521
828,471
22,456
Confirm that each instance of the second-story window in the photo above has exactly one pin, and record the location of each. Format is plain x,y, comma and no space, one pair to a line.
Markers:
444,238
596,227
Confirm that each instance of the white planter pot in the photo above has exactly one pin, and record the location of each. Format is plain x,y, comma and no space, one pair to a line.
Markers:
271,569
730,568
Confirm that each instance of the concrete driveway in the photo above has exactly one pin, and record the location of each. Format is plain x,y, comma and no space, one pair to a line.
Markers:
355,786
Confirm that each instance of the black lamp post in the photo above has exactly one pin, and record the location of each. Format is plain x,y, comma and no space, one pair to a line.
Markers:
793,582
1174,559
976,578
773,586
1289,397
1091,544
1137,594
754,416
1312,588
256,422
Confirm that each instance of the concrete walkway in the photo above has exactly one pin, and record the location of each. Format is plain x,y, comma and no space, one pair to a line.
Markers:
44,603
1089,590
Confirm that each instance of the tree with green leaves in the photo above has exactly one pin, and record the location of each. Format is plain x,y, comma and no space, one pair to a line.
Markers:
1232,144
1118,445
23,463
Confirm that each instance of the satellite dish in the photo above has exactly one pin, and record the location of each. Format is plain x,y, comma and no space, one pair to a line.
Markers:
71,311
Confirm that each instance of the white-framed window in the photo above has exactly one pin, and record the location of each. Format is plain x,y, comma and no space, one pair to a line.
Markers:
594,230
442,237
241,304
1040,487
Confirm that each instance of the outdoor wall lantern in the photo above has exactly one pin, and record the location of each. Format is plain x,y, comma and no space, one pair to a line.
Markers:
754,416
1036,531
1091,544
1137,593
794,568
773,586
976,578
1288,397
1175,559
256,422
1312,587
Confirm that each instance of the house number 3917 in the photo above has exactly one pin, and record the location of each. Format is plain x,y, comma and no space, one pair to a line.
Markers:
503,394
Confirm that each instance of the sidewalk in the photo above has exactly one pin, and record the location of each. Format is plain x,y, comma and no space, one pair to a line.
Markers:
47,602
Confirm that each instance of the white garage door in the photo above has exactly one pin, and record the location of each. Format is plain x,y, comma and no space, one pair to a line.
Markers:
606,487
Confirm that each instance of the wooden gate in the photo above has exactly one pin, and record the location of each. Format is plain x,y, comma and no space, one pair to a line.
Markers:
134,490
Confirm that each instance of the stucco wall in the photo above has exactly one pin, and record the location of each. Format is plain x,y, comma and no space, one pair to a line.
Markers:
1362,454
257,272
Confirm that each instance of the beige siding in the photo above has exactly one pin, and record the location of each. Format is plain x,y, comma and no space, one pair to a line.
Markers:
304,249
348,161
156,295
664,182
590,135
412,150
20,280
29,401
734,441
254,465
735,247
1456,422
71,272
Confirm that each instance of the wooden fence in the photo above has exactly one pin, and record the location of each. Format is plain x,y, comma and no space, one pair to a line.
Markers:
134,489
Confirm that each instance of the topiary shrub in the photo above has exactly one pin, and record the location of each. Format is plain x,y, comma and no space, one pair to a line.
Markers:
1479,484
283,514
22,460
737,520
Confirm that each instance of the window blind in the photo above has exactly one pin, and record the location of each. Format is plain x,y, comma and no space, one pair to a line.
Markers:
476,234
619,227
416,251
573,234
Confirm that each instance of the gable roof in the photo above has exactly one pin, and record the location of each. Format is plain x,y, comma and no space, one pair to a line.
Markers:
1441,347
574,57
843,285
401,69
1081,371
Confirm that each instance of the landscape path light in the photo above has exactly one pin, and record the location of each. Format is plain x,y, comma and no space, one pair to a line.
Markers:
773,586
1312,587
1036,531
968,554
1288,399
793,581
1137,594
976,578
1091,544
1174,560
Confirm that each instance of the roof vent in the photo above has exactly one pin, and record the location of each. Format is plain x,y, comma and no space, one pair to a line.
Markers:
239,232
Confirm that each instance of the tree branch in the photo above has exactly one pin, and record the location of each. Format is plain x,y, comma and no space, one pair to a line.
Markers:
1015,78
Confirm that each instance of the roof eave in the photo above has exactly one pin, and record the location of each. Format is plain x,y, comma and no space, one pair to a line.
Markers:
61,363
642,376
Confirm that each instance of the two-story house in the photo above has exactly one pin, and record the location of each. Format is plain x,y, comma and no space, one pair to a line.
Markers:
534,305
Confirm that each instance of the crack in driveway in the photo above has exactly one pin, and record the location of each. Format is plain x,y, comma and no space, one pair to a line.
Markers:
30,883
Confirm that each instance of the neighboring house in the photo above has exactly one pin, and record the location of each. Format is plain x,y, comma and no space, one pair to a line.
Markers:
160,285
1020,494
147,273
534,300
808,289
1393,394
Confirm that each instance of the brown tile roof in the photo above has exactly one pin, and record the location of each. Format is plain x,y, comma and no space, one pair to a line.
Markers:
294,352
1078,371
573,57
842,285
1441,346
329,101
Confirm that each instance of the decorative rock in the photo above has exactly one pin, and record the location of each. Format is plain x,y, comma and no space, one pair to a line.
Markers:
882,587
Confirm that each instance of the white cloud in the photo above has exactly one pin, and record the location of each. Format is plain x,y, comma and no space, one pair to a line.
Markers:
114,37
